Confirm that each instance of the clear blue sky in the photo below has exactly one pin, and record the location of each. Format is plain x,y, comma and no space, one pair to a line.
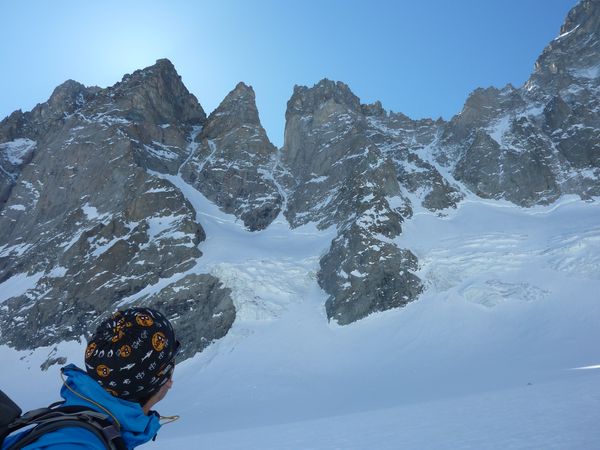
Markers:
419,57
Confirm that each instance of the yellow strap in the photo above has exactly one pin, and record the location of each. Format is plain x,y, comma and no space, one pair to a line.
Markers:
90,400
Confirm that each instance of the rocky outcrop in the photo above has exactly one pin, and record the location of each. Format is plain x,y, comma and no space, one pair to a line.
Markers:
533,144
407,143
362,273
523,177
335,174
14,154
200,309
572,56
21,133
86,222
233,161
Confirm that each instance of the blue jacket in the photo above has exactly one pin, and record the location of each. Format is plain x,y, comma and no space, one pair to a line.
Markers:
136,427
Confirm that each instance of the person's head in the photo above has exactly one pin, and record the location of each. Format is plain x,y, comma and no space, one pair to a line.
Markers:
132,354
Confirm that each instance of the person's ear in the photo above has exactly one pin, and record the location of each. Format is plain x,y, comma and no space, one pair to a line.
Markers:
157,397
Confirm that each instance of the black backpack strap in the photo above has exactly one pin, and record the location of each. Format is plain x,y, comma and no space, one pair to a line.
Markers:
9,410
48,420
49,427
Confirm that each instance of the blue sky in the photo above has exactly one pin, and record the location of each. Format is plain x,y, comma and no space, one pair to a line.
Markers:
419,57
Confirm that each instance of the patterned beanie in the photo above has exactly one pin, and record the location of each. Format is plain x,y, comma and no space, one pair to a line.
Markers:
132,353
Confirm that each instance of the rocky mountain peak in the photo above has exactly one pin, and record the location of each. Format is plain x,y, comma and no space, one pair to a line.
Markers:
75,185
65,99
164,65
66,92
585,14
572,54
233,159
531,145
238,108
162,68
306,100
156,94
482,106
11,127
242,89
482,99
374,109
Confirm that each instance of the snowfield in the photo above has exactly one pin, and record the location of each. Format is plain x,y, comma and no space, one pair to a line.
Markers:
485,359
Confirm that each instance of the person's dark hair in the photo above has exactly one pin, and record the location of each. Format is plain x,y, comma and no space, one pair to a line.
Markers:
132,353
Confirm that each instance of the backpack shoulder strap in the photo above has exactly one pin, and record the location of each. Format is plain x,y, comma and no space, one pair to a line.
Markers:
9,412
47,420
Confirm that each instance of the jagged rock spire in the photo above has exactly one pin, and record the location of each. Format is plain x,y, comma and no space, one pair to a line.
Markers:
233,159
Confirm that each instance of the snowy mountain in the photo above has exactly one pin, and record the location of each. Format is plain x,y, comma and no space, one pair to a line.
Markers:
366,171
99,189
378,282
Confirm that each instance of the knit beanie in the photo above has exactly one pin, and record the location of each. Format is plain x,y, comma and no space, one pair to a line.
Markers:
132,353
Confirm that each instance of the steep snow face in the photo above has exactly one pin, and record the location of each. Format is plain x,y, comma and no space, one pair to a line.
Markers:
509,308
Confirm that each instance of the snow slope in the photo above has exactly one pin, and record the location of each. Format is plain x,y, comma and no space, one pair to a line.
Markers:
558,415
485,359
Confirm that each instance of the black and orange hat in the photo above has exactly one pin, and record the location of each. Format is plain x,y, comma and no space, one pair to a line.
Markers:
132,354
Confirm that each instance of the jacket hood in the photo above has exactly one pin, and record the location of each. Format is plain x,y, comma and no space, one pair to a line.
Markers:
80,389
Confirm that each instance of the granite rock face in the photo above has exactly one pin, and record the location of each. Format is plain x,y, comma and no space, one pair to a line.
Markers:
200,309
533,144
337,173
566,83
232,163
20,132
84,217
